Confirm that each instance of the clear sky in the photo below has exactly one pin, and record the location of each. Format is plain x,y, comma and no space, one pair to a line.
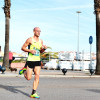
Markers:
57,20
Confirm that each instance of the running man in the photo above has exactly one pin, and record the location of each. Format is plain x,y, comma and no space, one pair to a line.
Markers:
35,47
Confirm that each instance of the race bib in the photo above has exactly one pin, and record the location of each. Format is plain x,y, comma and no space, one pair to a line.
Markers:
37,52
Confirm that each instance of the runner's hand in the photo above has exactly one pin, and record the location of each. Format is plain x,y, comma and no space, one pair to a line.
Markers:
44,47
33,51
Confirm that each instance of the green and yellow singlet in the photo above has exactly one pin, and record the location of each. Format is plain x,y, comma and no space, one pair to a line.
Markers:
34,46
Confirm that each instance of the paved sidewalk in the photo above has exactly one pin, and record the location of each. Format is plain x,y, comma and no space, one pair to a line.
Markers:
47,73
52,73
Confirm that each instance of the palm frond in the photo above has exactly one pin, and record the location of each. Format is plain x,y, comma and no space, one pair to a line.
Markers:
49,47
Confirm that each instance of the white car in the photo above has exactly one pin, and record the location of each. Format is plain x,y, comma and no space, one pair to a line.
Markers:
51,64
65,64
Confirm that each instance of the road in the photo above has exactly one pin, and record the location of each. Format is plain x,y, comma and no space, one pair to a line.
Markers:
17,88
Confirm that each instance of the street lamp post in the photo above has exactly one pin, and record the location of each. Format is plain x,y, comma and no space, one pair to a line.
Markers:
78,12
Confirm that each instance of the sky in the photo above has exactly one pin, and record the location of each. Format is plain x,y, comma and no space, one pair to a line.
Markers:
57,20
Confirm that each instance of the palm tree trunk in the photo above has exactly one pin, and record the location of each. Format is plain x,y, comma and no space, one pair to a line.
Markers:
97,12
98,43
7,18
6,49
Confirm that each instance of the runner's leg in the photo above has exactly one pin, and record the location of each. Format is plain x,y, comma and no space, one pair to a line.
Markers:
36,78
28,73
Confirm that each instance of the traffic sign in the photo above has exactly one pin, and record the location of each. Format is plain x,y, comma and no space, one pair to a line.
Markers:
90,39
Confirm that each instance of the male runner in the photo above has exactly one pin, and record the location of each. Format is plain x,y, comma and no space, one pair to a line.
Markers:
33,61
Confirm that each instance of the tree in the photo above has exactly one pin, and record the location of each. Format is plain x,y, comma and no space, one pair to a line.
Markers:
97,13
44,55
49,54
7,18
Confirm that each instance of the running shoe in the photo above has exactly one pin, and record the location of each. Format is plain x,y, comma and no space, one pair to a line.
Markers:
35,96
22,70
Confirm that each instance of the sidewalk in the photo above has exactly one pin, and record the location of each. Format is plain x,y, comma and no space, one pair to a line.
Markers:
47,73
53,73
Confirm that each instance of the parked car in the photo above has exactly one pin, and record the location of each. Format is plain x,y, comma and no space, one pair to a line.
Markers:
65,64
51,64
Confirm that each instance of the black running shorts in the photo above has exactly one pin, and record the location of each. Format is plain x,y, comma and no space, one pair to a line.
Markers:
32,64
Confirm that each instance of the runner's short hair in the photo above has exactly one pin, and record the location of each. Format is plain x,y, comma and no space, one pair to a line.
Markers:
35,28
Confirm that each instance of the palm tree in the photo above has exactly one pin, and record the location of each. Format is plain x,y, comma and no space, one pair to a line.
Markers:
97,12
45,54
49,55
7,18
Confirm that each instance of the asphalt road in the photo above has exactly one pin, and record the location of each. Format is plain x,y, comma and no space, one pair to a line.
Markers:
17,88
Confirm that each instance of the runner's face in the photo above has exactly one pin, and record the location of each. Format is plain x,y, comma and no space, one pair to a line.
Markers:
37,32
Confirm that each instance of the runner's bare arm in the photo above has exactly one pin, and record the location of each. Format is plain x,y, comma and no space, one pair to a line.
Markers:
28,42
43,48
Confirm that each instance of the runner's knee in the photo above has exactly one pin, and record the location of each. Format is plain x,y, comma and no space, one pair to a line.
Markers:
28,78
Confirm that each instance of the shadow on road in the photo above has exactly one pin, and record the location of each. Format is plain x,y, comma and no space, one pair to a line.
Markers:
94,90
13,89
